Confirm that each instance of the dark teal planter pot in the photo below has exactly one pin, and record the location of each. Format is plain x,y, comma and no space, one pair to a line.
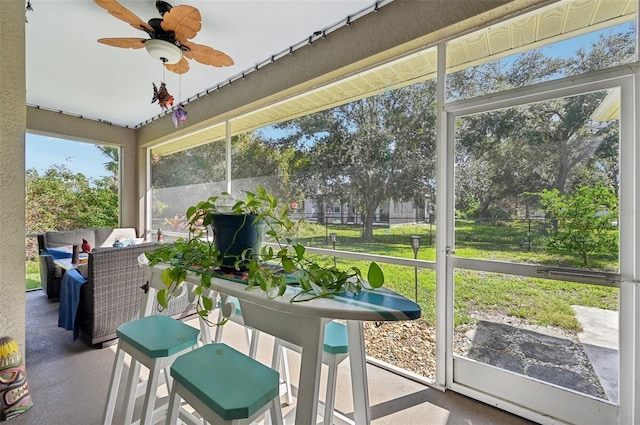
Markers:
233,234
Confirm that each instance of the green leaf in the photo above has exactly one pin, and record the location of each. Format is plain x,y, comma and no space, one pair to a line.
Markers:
299,251
375,276
207,303
162,298
191,211
167,277
283,287
288,265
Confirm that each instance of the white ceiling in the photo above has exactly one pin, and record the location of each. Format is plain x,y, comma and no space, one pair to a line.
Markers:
69,71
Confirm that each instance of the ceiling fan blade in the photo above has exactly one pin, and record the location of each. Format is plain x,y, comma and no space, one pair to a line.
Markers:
184,21
179,68
163,7
206,55
124,42
124,14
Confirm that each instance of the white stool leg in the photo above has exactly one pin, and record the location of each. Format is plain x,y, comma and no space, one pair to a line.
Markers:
251,336
174,406
279,359
330,397
113,387
131,393
253,342
287,376
205,332
276,411
218,335
150,395
167,378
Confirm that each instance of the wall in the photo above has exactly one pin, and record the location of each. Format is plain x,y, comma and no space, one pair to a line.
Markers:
12,126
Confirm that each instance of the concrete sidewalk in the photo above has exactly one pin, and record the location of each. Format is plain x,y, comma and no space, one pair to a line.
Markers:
587,362
599,339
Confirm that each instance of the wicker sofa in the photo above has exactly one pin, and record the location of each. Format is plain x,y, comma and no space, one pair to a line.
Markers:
57,244
113,293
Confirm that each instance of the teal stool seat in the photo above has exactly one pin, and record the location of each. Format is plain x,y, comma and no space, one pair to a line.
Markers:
158,335
224,386
155,342
231,309
336,340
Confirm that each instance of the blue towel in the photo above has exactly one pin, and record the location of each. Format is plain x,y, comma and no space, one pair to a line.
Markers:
69,300
58,253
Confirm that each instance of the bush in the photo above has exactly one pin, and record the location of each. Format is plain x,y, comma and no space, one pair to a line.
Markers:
586,220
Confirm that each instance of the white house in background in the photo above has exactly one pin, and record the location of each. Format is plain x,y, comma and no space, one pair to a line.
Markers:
390,213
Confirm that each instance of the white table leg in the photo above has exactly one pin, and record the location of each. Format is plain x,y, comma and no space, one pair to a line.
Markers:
304,331
310,367
359,384
146,305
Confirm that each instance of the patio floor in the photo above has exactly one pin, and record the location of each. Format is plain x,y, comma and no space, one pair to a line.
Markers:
69,382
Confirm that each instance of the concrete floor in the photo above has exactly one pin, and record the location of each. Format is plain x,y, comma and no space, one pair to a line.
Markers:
69,380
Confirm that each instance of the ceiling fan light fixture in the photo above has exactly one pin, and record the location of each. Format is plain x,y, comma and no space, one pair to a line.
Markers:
163,51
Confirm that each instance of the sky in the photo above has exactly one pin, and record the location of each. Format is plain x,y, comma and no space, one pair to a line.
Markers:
42,152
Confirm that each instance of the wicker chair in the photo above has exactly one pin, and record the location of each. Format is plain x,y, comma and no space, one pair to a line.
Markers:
50,275
113,293
50,242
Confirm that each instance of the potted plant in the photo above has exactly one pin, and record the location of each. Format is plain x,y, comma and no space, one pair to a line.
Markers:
213,243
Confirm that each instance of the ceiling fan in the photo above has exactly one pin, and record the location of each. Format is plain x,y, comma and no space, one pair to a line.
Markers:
169,36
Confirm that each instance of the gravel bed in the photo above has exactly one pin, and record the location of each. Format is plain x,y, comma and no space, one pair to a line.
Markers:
410,345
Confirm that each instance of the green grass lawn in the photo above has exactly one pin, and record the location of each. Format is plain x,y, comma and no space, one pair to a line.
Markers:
541,301
33,275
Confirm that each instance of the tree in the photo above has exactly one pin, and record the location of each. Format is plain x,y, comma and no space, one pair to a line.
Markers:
551,144
257,163
202,164
60,199
113,165
251,156
369,150
586,220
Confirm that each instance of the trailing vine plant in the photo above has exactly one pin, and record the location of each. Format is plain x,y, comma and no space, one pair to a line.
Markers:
267,269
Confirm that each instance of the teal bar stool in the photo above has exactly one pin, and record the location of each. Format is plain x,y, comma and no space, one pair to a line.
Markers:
335,350
155,342
224,386
230,308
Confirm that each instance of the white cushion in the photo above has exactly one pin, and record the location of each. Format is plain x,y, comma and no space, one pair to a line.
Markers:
106,237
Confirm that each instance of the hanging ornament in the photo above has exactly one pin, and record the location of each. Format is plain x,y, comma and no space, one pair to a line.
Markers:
28,8
162,96
179,115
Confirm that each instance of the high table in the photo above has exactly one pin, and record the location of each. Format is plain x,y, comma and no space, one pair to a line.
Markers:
302,323
64,263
